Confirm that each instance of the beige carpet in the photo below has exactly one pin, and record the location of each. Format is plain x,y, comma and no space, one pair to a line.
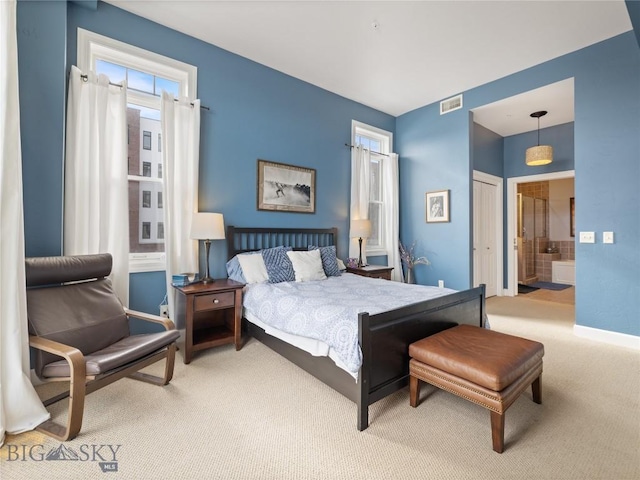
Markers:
253,415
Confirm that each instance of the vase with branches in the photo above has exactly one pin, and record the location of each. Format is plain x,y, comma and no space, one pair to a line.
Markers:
410,260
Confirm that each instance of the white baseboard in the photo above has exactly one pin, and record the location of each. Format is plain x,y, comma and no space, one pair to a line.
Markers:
606,336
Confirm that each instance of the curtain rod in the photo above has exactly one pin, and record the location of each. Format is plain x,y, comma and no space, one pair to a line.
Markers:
85,78
375,153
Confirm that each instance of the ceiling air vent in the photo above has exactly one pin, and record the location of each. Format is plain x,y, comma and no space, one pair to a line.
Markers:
451,104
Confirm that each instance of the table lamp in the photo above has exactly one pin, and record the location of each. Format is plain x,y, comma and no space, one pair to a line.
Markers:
207,226
360,229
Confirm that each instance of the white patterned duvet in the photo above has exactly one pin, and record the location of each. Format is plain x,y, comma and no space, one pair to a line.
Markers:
327,310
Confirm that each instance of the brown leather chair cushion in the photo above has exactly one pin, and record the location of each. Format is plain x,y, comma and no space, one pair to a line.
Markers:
491,359
120,353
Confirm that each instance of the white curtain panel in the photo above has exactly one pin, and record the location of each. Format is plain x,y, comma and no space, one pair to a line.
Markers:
180,156
390,194
360,179
96,194
20,407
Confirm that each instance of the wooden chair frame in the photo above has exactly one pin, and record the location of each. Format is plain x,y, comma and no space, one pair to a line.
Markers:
81,384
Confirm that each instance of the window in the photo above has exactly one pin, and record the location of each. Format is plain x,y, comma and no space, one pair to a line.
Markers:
146,140
147,74
378,142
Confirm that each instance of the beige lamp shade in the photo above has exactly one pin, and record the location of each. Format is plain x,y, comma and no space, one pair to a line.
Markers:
360,228
540,155
207,226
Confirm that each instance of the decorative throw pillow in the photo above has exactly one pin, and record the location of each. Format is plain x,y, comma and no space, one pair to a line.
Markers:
253,267
341,266
307,265
329,260
234,270
279,267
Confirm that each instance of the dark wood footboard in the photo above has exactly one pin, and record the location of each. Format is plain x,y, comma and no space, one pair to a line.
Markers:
385,339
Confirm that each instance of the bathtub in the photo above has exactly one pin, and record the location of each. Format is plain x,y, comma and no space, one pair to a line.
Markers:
563,271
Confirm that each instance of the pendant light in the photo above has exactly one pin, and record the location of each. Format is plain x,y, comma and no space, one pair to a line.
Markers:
541,154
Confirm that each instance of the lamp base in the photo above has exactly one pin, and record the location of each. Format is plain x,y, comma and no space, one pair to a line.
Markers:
207,278
360,262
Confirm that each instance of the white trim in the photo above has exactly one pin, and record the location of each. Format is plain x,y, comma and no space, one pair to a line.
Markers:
512,191
386,141
607,336
499,213
385,136
92,46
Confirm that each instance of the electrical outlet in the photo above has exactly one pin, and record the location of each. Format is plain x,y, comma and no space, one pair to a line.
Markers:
587,237
441,283
607,237
164,311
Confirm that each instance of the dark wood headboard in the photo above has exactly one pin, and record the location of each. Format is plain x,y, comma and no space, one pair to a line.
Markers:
246,239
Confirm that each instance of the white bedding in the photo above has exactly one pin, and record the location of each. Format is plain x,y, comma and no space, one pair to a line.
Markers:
321,317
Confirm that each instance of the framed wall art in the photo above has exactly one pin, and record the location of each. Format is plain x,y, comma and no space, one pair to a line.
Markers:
286,188
437,206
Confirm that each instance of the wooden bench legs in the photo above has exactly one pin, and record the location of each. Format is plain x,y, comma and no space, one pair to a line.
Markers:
497,419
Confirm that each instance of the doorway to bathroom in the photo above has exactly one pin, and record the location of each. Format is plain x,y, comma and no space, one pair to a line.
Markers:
539,226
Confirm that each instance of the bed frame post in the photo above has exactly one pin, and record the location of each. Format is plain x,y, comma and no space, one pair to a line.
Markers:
363,374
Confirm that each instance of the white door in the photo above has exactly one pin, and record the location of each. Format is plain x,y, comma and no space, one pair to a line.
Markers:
484,237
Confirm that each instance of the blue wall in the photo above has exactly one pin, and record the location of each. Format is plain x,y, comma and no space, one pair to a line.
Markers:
256,112
487,151
435,153
560,137
42,47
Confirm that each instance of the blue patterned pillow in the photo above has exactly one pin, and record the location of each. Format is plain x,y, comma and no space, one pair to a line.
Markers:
234,270
279,267
329,260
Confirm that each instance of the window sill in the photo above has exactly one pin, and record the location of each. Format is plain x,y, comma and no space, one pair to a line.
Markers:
149,262
376,253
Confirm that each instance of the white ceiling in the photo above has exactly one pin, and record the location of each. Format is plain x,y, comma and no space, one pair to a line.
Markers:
396,56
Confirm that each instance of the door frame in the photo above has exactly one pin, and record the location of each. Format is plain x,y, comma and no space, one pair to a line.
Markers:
497,182
512,221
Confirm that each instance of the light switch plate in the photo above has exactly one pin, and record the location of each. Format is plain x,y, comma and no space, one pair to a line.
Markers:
587,237
607,237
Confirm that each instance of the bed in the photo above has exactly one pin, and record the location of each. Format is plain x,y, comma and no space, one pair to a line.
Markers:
383,338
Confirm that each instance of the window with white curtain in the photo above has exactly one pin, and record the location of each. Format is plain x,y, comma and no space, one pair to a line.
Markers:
378,142
147,74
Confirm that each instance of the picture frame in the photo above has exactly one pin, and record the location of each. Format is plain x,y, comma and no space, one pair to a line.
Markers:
572,217
437,206
286,188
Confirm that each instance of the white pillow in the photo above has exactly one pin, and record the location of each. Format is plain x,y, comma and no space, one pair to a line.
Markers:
253,268
341,265
307,265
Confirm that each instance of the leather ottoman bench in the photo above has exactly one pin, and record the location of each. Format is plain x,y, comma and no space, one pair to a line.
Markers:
489,368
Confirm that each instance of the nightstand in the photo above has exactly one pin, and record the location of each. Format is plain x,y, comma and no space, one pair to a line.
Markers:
373,271
211,313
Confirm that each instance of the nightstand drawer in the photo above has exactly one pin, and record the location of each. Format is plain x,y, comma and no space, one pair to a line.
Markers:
213,301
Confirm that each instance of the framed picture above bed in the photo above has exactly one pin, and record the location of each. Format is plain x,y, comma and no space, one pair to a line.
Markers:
437,206
286,188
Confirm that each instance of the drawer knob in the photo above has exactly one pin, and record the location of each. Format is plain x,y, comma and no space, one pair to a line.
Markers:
216,301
